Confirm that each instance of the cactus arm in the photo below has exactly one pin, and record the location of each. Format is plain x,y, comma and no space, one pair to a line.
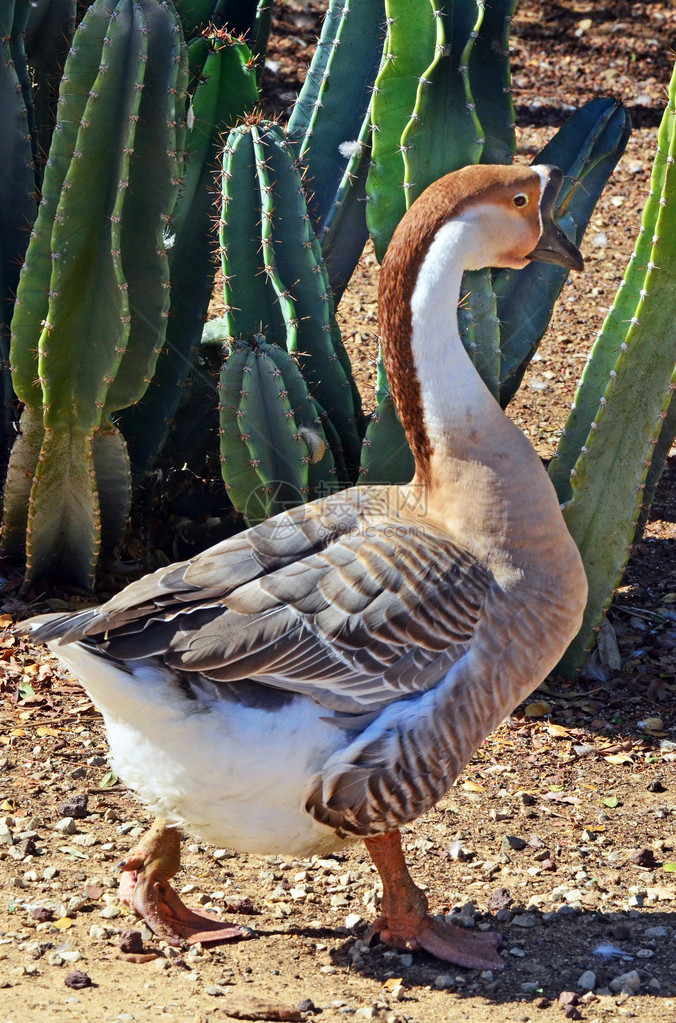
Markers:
480,326
409,51
335,97
113,484
49,31
270,432
444,107
195,15
263,24
386,456
491,82
316,338
227,90
345,231
658,461
23,462
587,149
149,198
609,475
17,212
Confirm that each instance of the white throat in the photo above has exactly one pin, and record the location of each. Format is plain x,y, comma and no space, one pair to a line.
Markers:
457,406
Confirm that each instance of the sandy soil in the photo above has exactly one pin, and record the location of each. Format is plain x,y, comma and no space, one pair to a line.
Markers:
561,833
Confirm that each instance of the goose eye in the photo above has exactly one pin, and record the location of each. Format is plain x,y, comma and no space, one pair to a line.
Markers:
520,199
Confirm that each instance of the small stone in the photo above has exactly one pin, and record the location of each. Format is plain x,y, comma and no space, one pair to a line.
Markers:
97,761
352,920
444,981
306,1005
222,854
457,851
510,842
630,980
587,980
75,806
500,899
66,826
111,912
366,1012
568,998
214,990
490,867
53,959
49,873
574,895
130,941
328,969
656,785
42,914
70,955
77,979
530,987
97,932
642,857
525,920
520,953
572,1012
528,799
657,932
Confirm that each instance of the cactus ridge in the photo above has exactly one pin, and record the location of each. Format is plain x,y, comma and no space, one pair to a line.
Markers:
412,36
637,360
386,456
334,101
445,106
490,79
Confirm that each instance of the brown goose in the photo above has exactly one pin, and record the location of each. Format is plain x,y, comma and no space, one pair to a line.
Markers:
325,676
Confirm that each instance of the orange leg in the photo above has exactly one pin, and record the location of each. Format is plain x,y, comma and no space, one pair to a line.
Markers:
145,887
405,922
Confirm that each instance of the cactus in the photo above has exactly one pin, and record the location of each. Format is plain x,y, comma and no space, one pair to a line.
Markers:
17,200
274,451
330,122
119,111
275,282
412,35
622,421
227,89
386,456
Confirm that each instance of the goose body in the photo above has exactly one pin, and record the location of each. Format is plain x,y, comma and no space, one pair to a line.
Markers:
325,676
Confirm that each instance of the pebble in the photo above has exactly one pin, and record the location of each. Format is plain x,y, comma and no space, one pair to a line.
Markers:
587,980
352,920
518,952
215,991
512,842
75,806
657,932
500,899
444,981
630,981
525,920
77,979
66,826
366,1012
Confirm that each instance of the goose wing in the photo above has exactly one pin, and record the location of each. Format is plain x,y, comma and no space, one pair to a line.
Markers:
338,599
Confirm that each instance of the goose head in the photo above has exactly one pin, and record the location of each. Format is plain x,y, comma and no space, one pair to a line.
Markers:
479,216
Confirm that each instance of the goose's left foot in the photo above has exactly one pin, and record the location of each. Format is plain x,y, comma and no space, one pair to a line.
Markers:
405,922
144,886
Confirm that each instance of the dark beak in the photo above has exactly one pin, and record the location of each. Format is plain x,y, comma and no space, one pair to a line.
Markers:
554,246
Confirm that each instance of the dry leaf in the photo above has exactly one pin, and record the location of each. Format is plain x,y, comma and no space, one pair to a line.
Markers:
45,730
63,924
619,758
472,786
5,620
651,724
538,709
393,982
558,731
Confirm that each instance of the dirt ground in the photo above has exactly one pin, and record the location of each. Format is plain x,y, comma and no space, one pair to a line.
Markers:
561,833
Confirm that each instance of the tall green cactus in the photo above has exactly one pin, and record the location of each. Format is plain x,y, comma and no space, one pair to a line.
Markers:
92,303
622,422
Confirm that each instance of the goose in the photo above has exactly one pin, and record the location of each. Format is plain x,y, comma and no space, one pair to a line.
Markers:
325,676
